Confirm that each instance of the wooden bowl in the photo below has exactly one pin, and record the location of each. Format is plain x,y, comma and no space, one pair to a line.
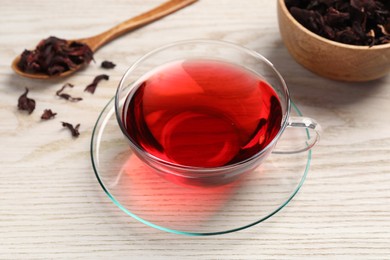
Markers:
331,59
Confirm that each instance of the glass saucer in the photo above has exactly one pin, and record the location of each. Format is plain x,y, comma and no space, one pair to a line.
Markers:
166,206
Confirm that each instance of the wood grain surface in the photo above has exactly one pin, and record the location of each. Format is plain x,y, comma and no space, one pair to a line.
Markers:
52,207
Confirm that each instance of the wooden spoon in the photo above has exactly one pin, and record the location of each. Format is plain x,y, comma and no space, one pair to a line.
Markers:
95,42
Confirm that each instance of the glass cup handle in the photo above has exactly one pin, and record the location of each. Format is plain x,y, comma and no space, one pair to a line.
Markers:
313,130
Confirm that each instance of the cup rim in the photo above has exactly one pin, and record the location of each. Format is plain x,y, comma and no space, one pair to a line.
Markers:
207,170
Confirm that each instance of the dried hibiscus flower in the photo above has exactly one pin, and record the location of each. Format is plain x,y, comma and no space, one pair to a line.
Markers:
25,103
67,96
357,22
53,56
92,87
108,64
74,130
48,114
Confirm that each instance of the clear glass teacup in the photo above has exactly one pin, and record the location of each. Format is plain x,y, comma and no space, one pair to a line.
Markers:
203,113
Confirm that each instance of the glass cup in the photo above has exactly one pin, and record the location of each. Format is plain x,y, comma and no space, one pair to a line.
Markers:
227,53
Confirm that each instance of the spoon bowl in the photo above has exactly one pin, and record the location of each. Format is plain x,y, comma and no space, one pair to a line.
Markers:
18,71
97,41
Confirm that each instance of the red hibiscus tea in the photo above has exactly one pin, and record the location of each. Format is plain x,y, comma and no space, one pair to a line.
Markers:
202,113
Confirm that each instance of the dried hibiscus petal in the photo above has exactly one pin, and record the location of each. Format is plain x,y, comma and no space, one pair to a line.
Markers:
336,18
357,22
108,64
53,56
25,103
67,96
308,18
92,87
48,114
73,129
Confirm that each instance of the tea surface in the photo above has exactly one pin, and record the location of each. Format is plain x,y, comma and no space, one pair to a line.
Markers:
202,113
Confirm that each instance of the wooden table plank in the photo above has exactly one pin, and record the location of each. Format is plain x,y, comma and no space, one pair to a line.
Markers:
51,205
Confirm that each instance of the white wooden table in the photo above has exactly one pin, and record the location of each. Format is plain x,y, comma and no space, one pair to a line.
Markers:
51,205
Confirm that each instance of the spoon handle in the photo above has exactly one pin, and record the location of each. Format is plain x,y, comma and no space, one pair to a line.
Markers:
97,41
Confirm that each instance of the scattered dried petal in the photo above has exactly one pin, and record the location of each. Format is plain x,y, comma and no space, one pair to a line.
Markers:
108,64
48,114
92,87
74,130
67,96
25,103
63,87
